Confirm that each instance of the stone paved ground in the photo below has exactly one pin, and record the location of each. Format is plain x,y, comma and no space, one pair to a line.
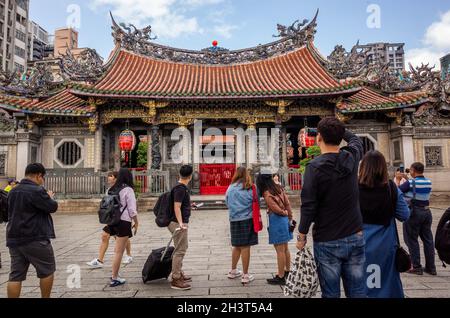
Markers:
208,261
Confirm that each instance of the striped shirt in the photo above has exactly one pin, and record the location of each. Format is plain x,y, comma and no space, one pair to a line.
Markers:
423,190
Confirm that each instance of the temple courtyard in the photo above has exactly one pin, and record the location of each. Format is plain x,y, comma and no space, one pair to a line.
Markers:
208,261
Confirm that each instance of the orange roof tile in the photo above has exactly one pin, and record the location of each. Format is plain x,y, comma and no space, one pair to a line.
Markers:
370,100
293,74
62,103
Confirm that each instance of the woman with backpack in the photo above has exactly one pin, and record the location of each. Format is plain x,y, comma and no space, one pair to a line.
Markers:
123,231
106,235
381,204
239,199
280,221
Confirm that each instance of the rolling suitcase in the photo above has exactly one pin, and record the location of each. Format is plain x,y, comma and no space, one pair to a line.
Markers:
159,264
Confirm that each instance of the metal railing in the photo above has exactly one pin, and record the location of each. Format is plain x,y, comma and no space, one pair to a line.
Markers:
151,182
290,178
76,184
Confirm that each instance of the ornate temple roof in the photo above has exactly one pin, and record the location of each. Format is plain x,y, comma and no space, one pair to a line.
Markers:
62,103
290,75
369,100
140,69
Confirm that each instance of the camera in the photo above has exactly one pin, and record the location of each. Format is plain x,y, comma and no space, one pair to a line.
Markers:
292,225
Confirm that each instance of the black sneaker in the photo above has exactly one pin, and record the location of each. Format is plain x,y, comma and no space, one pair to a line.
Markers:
431,272
416,271
276,281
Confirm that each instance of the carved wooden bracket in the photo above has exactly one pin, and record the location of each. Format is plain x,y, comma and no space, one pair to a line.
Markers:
397,115
94,103
33,119
153,106
281,104
345,118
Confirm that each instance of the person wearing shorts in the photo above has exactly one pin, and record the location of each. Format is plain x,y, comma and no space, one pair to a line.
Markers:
30,230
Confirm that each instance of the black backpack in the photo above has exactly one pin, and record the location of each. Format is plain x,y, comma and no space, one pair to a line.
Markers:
442,239
3,206
163,209
110,212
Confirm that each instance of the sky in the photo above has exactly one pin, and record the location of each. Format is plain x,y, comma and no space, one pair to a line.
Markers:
193,24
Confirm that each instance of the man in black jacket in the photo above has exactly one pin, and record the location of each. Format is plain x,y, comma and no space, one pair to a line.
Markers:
330,200
30,230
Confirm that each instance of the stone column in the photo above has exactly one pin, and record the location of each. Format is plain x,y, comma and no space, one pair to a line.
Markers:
251,145
98,149
156,157
278,146
240,146
284,163
408,150
25,141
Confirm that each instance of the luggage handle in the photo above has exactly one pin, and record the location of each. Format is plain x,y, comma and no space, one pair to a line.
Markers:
168,245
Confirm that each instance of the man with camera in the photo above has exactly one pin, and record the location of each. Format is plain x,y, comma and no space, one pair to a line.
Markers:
417,192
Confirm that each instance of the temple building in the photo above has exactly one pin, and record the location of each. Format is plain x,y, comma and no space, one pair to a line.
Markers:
73,126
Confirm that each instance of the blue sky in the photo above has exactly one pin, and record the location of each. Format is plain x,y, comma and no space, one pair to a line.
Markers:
423,25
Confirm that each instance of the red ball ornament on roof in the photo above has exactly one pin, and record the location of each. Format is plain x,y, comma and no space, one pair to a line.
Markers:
215,43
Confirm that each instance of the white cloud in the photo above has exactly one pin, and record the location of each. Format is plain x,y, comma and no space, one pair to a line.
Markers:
425,55
436,41
201,2
167,17
438,34
225,30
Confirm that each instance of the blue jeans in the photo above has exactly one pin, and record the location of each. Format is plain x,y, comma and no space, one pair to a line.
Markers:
344,259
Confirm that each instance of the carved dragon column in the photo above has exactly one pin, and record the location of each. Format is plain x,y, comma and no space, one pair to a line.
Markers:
155,151
156,148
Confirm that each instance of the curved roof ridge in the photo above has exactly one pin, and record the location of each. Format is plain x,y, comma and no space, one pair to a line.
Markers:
140,41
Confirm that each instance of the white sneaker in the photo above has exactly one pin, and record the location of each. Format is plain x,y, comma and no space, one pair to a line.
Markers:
127,260
95,263
246,279
117,282
234,274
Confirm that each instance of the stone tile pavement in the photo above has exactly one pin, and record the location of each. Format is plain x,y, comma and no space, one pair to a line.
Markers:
208,261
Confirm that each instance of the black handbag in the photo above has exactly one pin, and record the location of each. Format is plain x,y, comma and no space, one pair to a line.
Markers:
402,257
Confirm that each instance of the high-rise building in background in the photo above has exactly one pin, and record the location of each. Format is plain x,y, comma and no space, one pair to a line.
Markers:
14,34
38,40
65,39
392,53
445,65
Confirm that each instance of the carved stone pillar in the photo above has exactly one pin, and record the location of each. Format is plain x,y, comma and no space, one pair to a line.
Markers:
98,148
278,146
156,148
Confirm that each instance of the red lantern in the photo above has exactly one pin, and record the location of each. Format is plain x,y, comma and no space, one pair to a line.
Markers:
305,140
127,140
215,43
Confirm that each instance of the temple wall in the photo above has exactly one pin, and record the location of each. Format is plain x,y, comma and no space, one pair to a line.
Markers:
438,170
53,138
384,145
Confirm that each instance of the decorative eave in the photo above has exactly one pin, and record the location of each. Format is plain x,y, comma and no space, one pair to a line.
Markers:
292,75
140,41
369,100
88,91
60,104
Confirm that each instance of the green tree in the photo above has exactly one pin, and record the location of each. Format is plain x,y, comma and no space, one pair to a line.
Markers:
142,155
311,153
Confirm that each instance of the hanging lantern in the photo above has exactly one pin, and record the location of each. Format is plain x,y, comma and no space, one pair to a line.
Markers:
127,140
305,139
